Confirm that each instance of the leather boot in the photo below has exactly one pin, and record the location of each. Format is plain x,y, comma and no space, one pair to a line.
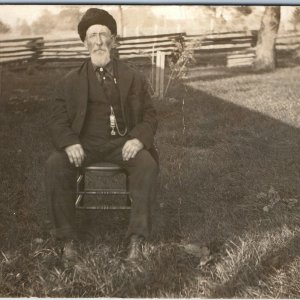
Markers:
135,248
70,255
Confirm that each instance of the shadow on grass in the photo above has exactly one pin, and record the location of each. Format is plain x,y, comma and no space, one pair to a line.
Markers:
226,148
254,275
216,162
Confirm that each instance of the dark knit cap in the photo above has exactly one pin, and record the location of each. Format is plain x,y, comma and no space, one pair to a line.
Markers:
96,16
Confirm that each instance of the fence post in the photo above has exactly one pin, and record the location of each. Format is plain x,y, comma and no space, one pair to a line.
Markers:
152,67
157,73
162,75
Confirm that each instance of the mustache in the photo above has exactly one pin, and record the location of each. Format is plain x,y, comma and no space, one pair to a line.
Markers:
100,49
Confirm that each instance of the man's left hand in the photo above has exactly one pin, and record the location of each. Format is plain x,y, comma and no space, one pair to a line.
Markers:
131,148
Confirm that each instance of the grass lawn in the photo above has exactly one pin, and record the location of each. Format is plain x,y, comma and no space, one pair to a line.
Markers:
227,222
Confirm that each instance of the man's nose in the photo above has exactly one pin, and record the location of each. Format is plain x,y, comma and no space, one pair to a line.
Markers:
99,39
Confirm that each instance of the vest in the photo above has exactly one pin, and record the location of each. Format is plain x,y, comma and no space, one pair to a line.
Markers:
96,132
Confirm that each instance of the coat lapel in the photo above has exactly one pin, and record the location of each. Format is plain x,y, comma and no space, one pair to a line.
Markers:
80,93
83,90
124,78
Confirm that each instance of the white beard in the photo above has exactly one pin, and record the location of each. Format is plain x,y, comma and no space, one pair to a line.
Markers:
100,59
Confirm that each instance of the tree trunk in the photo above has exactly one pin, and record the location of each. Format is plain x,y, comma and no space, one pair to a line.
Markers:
265,49
121,31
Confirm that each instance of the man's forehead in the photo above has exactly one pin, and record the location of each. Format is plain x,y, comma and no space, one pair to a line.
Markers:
97,28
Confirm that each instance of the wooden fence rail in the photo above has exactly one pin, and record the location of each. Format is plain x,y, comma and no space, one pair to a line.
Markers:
232,49
128,47
231,44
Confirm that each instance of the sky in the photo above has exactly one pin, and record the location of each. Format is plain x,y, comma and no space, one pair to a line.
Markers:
9,14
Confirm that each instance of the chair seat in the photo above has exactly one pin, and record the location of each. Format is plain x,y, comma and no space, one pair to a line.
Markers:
104,166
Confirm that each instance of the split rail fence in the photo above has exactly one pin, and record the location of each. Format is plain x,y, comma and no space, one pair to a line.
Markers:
231,49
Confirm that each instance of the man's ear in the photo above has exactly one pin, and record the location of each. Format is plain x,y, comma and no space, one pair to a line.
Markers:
85,43
114,43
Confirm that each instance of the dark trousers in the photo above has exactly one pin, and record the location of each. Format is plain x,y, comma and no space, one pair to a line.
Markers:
60,183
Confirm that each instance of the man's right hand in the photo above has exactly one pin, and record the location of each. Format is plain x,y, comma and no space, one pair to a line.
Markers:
75,154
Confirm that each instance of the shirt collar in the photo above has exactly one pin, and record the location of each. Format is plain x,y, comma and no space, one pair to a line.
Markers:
108,68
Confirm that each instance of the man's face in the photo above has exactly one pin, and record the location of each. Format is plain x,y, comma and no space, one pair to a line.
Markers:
99,41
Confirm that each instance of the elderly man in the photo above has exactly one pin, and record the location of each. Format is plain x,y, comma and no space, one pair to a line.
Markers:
102,112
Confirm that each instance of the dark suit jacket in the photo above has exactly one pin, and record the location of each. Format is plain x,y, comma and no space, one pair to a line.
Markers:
70,104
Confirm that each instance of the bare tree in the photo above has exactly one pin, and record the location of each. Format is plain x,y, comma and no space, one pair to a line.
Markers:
45,23
23,28
296,18
265,49
67,19
244,10
4,28
121,20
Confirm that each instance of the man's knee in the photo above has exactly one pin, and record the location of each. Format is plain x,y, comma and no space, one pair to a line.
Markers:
57,160
146,162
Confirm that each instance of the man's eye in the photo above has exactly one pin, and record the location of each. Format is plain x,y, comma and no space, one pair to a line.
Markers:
104,35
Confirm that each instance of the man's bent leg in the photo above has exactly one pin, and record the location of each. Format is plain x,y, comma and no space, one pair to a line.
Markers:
143,172
60,184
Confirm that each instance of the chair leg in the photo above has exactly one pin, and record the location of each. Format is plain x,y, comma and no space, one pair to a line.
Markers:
80,185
